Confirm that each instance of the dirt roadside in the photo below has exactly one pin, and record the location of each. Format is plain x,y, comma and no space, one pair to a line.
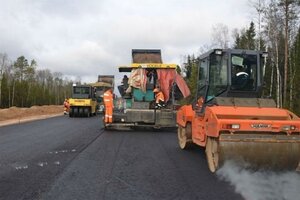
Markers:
15,115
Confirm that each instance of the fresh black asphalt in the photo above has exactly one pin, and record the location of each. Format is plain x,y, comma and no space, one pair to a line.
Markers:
74,158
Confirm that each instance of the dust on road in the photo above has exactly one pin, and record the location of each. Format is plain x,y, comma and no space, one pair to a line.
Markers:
261,185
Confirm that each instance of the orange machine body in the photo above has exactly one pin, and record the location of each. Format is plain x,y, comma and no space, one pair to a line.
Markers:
226,119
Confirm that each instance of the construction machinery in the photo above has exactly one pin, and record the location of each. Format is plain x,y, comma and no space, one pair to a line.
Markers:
136,107
231,120
83,101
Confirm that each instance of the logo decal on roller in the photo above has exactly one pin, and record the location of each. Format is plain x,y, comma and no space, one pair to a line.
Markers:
261,126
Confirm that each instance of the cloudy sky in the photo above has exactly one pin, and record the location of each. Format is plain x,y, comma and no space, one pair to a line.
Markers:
90,37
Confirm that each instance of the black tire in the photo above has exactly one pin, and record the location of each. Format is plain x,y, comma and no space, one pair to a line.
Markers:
80,112
75,112
90,114
71,112
86,112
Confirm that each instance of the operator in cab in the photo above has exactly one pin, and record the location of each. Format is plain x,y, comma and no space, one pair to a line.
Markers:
239,76
125,82
109,105
159,98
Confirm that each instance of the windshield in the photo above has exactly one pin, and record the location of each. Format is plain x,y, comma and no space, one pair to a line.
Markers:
217,76
81,90
243,72
81,93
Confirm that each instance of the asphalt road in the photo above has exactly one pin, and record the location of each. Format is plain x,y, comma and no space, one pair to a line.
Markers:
74,158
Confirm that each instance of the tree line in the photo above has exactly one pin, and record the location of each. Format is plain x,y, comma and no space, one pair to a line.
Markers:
276,31
23,85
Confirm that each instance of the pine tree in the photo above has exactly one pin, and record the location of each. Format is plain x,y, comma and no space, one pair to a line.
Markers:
246,38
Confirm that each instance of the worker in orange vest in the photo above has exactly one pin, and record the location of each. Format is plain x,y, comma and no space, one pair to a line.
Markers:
159,98
66,106
109,105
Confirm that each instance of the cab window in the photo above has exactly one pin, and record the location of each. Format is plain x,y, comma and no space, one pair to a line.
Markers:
202,78
218,80
244,72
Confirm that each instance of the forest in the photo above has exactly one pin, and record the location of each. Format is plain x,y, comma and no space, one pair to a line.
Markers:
275,30
23,85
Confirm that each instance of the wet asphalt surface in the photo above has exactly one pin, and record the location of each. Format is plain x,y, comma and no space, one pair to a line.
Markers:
74,158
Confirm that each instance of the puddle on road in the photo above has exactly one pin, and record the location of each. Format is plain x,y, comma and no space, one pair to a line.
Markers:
261,185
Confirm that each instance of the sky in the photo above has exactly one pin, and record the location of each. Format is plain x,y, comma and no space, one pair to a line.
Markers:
92,37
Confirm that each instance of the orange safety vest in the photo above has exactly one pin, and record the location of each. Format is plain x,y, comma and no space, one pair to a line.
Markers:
159,96
66,105
109,105
108,98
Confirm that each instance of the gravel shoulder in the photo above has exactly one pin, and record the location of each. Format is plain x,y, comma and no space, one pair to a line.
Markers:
16,115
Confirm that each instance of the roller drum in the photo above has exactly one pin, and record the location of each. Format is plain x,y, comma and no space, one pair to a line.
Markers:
260,151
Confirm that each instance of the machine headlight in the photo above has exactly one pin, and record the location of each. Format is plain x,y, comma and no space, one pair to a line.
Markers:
231,126
235,126
218,52
288,128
